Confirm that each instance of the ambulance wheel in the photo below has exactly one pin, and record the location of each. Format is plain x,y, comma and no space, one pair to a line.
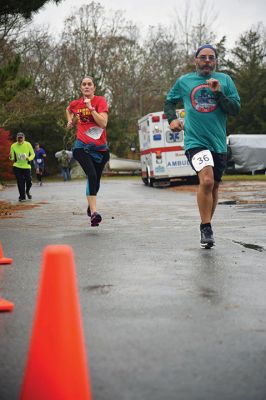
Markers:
145,181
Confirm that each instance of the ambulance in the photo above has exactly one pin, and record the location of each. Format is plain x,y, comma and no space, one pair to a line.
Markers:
162,151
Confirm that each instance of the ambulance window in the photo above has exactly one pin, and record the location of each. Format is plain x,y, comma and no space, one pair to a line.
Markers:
174,137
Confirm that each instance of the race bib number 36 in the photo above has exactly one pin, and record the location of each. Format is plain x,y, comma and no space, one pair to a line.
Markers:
202,159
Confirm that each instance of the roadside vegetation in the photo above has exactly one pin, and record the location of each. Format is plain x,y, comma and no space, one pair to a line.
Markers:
256,177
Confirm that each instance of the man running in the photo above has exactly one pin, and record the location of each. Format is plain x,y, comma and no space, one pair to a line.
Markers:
21,153
208,97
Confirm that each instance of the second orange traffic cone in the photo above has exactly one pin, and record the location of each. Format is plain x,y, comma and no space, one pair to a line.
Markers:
6,305
57,367
4,260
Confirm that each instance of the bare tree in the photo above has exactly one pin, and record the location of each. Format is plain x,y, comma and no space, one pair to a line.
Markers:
82,40
193,29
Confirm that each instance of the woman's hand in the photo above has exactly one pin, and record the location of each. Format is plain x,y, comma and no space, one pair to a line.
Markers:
70,124
88,104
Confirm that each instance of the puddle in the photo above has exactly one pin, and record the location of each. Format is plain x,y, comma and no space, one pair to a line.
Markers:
237,192
250,246
102,289
253,208
228,202
208,293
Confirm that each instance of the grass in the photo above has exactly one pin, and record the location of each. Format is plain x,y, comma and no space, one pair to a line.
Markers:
242,177
228,178
121,176
258,177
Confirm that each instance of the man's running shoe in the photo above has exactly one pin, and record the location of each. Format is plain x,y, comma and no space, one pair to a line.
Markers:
95,219
21,199
89,211
207,240
29,195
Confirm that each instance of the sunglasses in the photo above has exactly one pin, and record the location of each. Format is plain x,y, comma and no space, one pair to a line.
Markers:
204,58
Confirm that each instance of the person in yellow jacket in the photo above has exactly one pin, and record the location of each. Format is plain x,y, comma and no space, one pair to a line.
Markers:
22,153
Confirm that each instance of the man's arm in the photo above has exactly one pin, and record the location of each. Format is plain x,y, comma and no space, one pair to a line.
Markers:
171,101
31,155
12,154
229,105
170,111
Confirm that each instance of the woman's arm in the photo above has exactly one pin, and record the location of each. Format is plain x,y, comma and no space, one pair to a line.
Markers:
70,116
101,119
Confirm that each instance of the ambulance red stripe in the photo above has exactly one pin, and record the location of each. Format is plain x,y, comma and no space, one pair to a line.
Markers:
161,149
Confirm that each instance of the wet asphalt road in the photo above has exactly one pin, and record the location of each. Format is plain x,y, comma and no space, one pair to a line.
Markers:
163,319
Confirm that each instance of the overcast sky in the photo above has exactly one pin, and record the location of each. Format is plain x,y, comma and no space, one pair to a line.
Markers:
233,16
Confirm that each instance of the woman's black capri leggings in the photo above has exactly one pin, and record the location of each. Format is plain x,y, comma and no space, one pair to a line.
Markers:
92,169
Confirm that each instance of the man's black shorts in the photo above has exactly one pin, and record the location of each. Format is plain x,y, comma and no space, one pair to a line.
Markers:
218,158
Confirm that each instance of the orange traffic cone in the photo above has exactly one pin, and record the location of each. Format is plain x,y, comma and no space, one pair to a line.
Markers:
6,305
57,367
4,260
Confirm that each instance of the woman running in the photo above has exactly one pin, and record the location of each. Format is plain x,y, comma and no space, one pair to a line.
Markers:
90,147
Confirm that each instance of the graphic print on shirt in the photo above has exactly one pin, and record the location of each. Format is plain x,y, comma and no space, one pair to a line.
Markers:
202,99
84,114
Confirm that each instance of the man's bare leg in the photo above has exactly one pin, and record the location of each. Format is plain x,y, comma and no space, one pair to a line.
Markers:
205,194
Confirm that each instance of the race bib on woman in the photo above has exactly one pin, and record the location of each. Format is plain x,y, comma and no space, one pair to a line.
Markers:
202,159
95,132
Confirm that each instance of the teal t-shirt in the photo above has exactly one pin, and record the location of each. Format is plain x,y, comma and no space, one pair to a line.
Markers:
205,121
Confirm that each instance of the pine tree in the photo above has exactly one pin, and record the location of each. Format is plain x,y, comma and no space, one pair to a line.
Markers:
25,8
10,81
249,74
